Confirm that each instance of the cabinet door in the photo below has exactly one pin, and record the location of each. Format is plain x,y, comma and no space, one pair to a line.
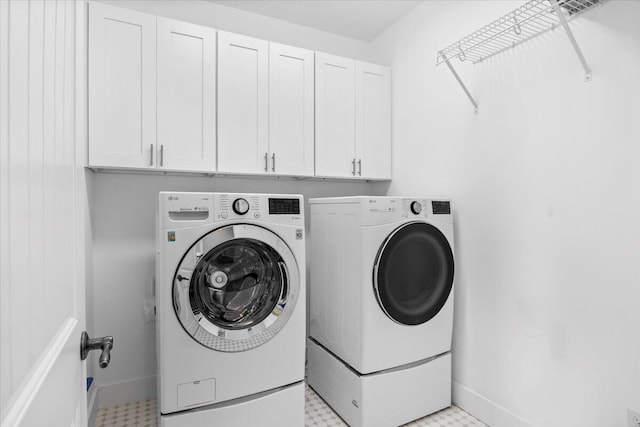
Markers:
291,109
186,96
243,84
122,87
373,121
335,116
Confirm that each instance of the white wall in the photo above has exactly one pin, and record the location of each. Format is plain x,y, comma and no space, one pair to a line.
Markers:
123,211
545,183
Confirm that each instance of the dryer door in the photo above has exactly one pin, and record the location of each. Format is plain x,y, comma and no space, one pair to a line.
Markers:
413,273
236,287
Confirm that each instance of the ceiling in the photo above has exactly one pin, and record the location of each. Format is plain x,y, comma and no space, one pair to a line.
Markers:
359,19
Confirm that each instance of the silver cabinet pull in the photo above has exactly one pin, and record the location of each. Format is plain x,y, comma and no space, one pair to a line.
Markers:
104,343
266,162
273,162
353,167
162,155
151,156
360,167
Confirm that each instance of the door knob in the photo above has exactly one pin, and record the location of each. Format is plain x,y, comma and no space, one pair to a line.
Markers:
104,343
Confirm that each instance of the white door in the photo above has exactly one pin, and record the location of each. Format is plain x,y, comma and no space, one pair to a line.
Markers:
243,102
42,212
186,96
373,121
291,110
335,116
122,88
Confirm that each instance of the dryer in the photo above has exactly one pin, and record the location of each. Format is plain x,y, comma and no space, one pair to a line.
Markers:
381,307
230,272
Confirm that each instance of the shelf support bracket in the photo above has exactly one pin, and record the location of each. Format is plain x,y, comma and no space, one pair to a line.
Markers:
455,74
572,39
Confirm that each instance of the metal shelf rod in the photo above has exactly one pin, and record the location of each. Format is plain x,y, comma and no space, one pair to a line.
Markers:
455,74
572,39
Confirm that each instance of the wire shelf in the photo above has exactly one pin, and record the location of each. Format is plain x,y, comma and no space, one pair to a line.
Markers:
530,20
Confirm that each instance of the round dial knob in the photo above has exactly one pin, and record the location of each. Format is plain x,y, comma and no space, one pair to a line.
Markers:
416,207
240,206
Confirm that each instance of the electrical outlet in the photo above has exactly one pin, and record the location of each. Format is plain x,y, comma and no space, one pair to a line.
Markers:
633,418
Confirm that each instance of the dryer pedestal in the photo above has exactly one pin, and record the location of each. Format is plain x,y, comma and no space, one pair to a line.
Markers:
283,407
391,397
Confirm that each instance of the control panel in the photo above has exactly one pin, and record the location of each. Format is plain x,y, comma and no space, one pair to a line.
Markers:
379,210
182,209
273,208
425,207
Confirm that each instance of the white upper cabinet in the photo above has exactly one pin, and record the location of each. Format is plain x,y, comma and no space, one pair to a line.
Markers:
291,109
127,51
353,118
165,94
243,102
122,87
335,116
186,96
373,121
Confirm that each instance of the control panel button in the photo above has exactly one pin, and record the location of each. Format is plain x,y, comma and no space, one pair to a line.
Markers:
240,206
416,208
256,214
224,215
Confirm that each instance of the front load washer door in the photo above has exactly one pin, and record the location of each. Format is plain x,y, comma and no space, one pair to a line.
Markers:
236,287
413,273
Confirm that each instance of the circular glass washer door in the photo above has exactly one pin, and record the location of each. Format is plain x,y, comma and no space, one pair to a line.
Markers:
236,287
413,273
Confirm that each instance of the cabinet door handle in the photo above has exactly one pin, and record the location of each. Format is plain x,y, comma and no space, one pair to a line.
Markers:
353,167
266,162
273,162
360,167
151,156
161,154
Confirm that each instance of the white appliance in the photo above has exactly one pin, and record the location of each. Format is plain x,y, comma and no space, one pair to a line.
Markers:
381,302
230,291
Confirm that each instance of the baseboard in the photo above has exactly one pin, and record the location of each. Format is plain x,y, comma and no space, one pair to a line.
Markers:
127,392
484,409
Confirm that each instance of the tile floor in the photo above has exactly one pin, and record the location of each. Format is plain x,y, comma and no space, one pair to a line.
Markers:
317,414
136,414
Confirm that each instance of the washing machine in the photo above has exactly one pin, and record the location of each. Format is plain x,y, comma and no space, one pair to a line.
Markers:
230,286
381,307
